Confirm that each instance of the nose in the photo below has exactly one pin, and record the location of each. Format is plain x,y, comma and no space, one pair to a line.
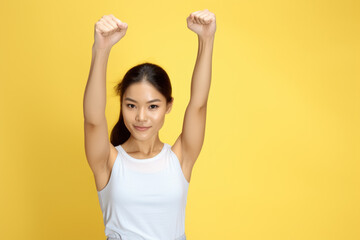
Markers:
141,115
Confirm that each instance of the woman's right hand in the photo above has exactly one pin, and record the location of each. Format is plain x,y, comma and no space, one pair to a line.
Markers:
108,31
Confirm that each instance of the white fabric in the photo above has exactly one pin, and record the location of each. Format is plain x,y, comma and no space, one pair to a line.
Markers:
145,199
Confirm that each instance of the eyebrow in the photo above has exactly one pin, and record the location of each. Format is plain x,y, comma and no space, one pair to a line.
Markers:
132,100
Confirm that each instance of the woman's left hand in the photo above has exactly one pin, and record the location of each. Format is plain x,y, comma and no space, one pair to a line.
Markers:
203,23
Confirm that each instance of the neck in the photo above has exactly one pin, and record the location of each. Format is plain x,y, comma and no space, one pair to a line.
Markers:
146,148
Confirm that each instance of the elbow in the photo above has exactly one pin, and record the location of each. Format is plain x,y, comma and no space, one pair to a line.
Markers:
203,106
200,106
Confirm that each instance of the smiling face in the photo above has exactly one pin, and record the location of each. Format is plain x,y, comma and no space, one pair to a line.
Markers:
144,106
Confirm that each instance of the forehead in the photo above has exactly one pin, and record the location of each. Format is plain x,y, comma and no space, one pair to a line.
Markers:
142,91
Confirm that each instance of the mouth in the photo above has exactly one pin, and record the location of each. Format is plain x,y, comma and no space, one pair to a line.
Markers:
141,128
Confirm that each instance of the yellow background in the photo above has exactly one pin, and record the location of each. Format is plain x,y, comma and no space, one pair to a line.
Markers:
282,145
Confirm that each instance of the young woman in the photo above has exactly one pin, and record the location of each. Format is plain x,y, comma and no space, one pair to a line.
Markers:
142,183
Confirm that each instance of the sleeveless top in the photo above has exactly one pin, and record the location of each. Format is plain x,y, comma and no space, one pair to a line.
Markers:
145,199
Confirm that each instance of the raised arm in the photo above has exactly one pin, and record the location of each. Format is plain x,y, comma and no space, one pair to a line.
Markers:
108,31
203,23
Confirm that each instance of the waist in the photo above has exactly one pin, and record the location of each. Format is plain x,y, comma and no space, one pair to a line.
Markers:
182,237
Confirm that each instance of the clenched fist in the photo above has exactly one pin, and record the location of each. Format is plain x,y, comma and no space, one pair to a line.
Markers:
108,31
203,23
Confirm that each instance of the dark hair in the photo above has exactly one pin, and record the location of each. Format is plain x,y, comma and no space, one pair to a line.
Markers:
149,72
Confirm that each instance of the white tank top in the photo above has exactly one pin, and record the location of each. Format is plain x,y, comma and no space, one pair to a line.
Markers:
145,199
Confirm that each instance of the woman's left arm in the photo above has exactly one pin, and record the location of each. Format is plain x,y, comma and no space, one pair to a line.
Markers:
203,23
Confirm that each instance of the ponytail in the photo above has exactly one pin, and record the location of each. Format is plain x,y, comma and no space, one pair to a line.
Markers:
119,133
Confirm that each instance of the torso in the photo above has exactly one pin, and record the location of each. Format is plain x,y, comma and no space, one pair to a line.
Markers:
101,180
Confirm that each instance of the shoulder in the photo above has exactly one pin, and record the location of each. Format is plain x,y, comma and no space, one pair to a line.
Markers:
112,157
176,148
102,175
186,166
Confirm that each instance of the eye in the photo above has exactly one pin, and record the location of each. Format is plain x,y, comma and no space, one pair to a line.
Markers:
153,106
130,105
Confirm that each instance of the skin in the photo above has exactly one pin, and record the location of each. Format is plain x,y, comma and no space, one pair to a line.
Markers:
144,144
101,154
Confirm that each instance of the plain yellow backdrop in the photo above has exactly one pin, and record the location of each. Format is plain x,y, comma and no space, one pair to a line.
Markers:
281,156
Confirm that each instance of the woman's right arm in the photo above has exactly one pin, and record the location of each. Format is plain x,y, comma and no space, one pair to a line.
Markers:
108,31
95,124
95,91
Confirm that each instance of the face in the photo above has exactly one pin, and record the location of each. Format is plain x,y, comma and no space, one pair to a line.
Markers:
144,109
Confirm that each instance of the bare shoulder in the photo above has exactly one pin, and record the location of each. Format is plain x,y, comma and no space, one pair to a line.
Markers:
112,157
102,176
186,167
176,148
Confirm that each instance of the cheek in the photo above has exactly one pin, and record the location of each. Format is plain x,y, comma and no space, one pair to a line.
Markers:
126,116
158,117
127,112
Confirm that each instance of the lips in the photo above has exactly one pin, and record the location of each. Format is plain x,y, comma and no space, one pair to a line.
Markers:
141,128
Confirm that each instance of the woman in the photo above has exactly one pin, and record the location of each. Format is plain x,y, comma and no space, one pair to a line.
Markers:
142,183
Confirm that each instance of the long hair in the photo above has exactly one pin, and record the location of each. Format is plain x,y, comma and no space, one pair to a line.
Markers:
149,72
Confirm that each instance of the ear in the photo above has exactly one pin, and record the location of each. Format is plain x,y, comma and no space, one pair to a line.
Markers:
169,106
